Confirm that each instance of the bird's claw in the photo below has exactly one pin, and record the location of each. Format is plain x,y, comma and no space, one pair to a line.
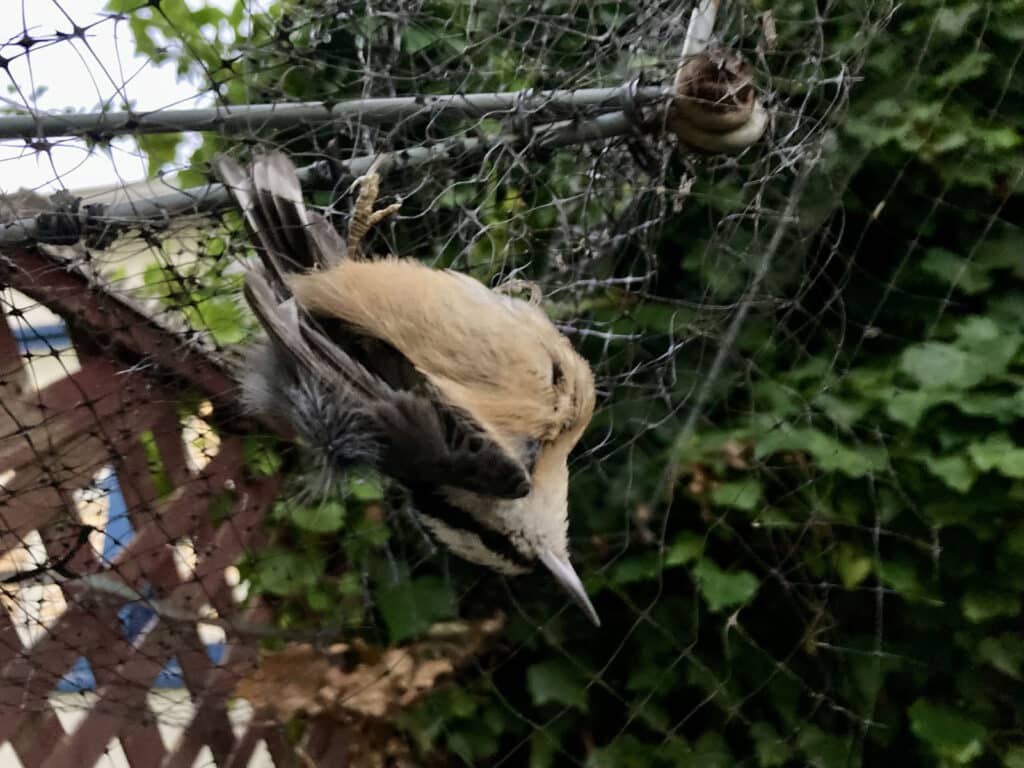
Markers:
510,287
364,217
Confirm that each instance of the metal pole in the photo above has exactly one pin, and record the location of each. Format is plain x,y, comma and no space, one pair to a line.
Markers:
253,117
214,197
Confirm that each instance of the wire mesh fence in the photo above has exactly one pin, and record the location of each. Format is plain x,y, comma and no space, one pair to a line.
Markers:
798,288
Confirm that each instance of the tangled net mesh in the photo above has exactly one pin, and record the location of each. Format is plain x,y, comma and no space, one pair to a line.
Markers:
730,511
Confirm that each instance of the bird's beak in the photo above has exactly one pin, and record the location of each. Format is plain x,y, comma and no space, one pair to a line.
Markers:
566,576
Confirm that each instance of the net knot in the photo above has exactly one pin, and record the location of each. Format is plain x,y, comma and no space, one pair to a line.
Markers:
62,224
522,116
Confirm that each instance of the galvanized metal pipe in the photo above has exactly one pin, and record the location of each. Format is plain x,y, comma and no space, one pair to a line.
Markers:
154,211
547,105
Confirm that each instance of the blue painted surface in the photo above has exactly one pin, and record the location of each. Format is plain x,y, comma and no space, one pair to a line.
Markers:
40,338
134,616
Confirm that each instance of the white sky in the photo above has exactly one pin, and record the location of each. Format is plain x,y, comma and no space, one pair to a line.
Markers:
79,77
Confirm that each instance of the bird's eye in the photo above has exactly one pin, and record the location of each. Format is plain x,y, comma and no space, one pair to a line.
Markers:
557,374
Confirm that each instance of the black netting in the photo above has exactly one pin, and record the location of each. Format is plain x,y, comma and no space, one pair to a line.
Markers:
794,509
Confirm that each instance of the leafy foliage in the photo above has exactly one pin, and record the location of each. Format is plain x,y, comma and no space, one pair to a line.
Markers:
836,578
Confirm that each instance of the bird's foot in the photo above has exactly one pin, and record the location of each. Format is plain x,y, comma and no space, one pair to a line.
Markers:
512,287
364,217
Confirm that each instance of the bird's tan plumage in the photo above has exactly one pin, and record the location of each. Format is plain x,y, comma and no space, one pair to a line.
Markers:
498,357
468,396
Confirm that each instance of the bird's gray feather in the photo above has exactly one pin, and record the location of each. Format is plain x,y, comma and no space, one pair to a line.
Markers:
333,424
422,436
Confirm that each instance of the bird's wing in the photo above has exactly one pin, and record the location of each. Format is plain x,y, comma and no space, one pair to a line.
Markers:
423,436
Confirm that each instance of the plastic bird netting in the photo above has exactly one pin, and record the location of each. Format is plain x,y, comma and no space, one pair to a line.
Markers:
787,237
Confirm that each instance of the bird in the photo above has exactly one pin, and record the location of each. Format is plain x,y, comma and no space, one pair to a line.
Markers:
467,396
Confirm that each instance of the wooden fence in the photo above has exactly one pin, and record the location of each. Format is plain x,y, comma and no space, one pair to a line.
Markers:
118,410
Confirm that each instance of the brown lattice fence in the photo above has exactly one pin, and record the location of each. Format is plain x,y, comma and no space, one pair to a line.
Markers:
54,440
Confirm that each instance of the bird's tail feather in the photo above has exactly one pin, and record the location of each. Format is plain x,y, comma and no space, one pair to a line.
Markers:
288,237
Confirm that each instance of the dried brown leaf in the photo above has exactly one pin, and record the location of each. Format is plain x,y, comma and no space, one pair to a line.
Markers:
378,685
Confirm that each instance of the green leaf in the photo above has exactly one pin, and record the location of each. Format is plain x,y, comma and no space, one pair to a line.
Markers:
710,751
829,454
221,507
686,548
742,494
982,605
722,589
952,21
645,566
325,517
654,715
777,398
955,471
853,565
284,573
651,316
364,486
649,672
370,533
320,600
901,576
992,347
1013,540
908,406
350,584
967,276
157,472
1001,252
999,453
544,748
409,608
261,458
1014,757
823,750
472,740
844,412
417,37
950,734
975,330
215,246
970,67
426,722
556,682
1000,139
937,365
1004,652
160,148
624,751
1003,408
634,568
772,750
223,318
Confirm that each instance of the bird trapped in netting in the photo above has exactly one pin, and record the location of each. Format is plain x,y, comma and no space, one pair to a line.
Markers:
469,397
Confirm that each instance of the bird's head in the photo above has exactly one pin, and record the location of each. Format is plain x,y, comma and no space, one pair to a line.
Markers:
544,398
516,536
539,522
